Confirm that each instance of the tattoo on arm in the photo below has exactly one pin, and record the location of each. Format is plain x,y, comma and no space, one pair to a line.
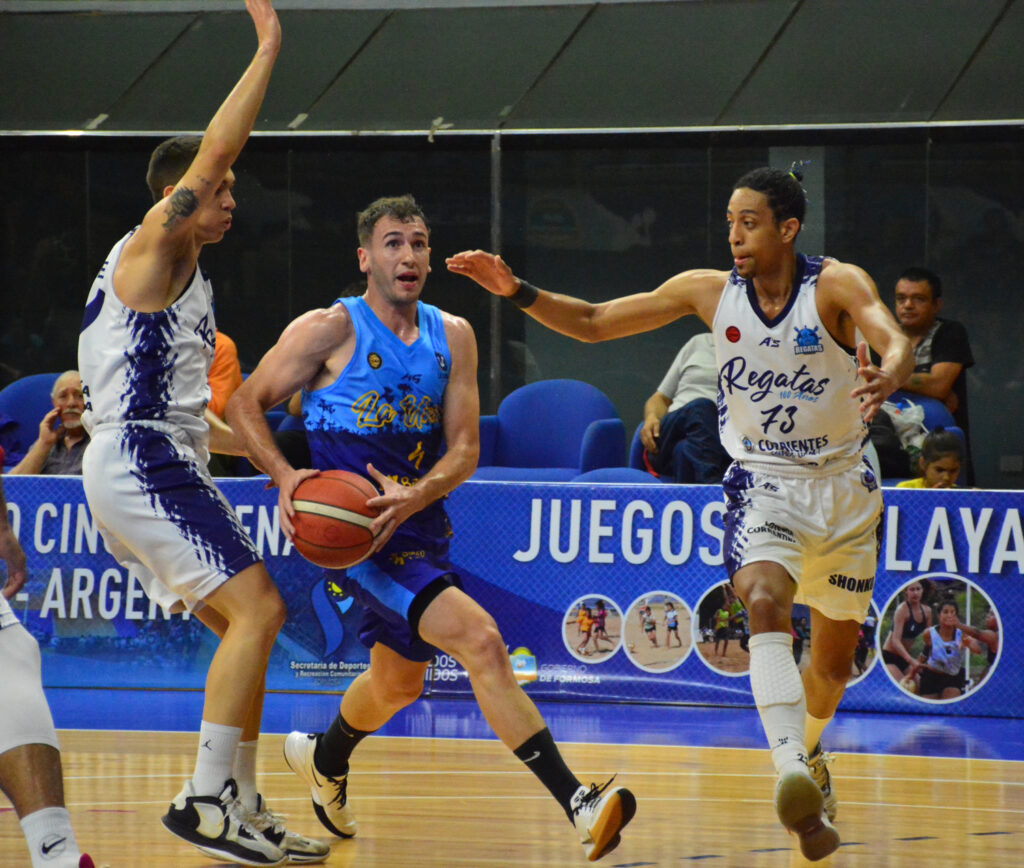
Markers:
181,205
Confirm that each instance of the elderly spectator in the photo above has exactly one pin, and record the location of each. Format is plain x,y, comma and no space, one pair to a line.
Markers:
62,440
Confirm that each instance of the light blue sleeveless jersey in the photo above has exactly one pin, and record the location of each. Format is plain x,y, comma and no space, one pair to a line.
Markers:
385,408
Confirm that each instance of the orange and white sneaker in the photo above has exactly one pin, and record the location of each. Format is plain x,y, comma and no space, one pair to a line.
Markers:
599,815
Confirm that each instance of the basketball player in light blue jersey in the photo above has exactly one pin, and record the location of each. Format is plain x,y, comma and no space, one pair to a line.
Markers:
803,508
144,356
389,389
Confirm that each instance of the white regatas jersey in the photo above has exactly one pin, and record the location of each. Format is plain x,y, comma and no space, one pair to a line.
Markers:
147,366
784,384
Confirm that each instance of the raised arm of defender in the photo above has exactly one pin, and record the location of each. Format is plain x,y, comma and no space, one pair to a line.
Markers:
691,292
158,261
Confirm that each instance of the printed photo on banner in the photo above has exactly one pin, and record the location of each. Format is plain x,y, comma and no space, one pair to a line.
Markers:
657,631
592,629
720,631
940,638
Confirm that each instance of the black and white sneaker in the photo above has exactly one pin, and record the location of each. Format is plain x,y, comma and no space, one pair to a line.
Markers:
218,826
599,815
330,795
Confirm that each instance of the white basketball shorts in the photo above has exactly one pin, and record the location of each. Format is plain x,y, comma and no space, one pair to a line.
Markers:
825,530
157,508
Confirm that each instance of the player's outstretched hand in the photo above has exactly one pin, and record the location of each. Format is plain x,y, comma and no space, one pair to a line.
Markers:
485,268
268,28
878,384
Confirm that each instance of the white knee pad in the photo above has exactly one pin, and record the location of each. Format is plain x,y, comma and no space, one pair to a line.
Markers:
24,715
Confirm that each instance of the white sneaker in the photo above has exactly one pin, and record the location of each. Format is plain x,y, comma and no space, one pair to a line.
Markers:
330,798
599,815
218,827
800,804
817,764
298,848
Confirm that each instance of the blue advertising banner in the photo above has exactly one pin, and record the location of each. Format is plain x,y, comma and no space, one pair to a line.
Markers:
602,592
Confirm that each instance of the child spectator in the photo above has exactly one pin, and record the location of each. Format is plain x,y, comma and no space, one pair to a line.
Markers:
942,453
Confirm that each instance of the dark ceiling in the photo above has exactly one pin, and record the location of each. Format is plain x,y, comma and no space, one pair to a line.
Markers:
365,67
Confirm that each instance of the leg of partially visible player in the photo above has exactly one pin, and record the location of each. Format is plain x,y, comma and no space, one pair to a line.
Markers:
30,767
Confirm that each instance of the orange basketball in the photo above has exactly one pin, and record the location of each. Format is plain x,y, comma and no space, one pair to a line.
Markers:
332,520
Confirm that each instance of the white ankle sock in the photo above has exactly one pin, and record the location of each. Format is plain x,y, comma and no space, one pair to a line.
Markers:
244,773
216,756
51,840
779,694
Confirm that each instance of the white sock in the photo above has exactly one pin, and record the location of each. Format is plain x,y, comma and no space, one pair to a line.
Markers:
51,840
779,694
215,757
244,773
813,728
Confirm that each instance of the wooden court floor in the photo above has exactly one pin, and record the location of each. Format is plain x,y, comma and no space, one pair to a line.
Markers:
460,803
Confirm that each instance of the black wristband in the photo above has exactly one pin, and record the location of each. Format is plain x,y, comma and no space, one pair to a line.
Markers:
525,295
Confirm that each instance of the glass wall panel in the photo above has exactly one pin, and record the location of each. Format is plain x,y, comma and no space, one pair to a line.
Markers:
593,215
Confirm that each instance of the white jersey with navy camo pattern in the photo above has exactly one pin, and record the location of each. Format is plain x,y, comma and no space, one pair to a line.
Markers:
784,384
147,366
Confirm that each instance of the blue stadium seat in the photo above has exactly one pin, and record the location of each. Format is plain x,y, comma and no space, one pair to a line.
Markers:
551,431
618,474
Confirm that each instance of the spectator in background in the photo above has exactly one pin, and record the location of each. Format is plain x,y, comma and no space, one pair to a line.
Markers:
62,440
225,373
939,465
942,352
680,430
224,377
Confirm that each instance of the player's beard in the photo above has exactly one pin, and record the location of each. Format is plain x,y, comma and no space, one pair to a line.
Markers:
72,422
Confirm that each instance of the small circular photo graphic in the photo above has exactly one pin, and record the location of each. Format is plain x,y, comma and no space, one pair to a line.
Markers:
657,631
863,656
940,637
720,631
592,629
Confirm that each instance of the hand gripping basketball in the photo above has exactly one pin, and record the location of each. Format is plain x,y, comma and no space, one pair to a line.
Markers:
332,520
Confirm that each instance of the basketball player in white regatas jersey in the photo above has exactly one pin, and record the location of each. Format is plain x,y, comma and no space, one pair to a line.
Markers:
144,353
803,507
